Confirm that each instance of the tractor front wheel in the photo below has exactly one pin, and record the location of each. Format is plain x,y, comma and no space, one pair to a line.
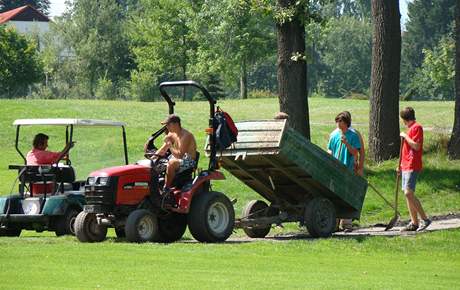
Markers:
142,226
88,230
211,218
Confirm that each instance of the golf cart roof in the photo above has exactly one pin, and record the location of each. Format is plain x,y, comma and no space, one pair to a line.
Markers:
67,122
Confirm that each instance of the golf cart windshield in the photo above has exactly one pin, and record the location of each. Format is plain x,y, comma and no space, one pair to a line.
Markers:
100,146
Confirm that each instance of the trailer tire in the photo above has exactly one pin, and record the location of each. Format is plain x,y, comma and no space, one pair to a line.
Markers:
142,226
260,208
65,225
87,229
211,218
172,227
320,217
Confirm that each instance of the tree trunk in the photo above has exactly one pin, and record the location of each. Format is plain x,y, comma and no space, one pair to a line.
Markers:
292,71
244,81
384,101
454,142
184,77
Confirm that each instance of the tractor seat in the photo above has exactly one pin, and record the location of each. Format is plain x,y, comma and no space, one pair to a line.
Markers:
187,175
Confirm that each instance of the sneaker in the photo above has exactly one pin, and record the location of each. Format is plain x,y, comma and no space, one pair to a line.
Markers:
424,224
410,228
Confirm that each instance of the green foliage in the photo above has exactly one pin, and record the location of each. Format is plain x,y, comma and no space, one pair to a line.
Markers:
20,65
143,86
163,43
340,61
87,51
429,21
435,78
41,5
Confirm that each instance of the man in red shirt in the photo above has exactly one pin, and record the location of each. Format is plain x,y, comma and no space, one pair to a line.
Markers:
411,165
39,155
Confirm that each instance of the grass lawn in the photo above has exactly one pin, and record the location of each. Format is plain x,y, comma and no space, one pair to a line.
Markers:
44,261
427,261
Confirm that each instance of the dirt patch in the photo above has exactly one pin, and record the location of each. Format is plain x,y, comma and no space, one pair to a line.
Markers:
441,222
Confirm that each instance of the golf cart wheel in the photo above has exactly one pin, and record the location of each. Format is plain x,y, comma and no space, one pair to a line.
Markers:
256,209
65,225
142,226
211,218
10,232
320,217
88,230
172,227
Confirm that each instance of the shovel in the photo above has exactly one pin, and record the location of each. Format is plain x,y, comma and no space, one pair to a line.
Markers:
395,218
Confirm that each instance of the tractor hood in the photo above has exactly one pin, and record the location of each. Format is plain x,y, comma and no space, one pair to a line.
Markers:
133,169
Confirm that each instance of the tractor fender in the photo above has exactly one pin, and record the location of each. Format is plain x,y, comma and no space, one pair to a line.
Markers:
197,187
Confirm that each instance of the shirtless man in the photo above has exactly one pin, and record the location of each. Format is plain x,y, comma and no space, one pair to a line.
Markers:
182,145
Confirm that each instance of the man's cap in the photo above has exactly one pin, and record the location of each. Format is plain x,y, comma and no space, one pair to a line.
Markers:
171,119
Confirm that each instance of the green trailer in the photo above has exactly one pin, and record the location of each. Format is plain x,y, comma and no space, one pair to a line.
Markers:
301,182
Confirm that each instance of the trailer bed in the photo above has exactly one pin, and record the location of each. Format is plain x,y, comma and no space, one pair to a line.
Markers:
288,170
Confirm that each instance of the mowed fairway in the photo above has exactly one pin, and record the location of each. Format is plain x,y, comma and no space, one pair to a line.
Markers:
424,261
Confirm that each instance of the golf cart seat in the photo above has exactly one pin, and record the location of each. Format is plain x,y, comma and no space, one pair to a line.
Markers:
37,175
187,175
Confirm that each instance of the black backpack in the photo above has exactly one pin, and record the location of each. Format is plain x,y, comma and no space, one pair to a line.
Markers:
224,134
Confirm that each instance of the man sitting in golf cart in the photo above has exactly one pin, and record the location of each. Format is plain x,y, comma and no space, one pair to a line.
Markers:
40,156
182,146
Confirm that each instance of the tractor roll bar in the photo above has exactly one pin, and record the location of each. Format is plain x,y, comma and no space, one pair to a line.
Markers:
212,102
171,103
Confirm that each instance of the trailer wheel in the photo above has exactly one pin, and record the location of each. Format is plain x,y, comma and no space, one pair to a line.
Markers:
320,217
142,226
172,227
10,232
256,209
211,218
65,225
87,229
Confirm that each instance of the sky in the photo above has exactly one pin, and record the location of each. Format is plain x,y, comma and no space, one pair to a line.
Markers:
58,7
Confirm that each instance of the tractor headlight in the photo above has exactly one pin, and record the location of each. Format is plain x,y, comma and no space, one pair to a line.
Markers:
91,180
103,181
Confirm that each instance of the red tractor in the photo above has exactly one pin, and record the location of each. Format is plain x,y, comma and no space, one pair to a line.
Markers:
129,198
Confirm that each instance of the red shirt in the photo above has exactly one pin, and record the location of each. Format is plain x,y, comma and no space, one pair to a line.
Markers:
41,157
411,159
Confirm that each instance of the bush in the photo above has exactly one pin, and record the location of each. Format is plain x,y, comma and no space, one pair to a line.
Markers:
143,86
258,94
105,90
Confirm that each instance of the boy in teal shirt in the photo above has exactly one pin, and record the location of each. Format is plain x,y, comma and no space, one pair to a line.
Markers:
344,145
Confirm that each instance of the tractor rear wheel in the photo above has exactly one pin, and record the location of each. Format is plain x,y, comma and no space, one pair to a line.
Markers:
256,209
142,226
211,218
172,227
65,225
320,217
88,230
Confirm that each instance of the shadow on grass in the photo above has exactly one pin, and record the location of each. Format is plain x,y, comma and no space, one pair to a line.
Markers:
437,179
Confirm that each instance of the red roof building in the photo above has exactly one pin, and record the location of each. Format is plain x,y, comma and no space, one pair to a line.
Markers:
24,13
